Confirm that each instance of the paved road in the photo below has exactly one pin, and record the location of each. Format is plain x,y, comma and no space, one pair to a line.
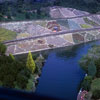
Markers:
53,34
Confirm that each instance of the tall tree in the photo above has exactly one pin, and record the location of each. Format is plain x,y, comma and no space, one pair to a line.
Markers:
30,63
12,57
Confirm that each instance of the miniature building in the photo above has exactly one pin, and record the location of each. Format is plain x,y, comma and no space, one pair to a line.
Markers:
53,26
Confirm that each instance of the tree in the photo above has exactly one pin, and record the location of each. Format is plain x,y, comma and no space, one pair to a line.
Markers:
38,13
27,15
95,88
12,57
31,83
2,49
86,84
57,3
84,62
97,63
89,1
13,73
1,16
30,63
92,69
20,3
39,64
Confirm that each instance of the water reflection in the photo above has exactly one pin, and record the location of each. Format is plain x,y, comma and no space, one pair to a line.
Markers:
61,74
68,52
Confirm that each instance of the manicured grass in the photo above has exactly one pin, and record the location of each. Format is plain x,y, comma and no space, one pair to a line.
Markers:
23,35
88,21
85,26
6,35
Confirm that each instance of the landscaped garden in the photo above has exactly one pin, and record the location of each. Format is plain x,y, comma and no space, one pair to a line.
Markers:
90,63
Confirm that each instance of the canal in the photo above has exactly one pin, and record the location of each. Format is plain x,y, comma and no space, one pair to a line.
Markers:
61,74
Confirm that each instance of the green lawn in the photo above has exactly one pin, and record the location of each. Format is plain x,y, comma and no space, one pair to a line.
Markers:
85,26
90,22
6,35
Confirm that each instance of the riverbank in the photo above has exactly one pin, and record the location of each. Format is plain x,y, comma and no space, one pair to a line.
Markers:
28,70
90,63
62,73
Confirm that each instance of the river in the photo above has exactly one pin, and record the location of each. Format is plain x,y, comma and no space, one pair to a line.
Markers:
61,74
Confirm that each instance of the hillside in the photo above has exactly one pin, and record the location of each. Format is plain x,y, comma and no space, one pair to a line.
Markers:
40,9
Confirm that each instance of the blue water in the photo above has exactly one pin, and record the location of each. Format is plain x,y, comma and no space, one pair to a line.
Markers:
61,74
73,25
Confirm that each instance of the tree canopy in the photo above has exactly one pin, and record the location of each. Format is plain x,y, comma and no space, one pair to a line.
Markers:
2,49
30,63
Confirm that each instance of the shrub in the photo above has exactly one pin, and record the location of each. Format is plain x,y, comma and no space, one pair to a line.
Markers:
30,84
86,84
27,15
39,63
22,80
95,88
97,63
84,62
2,49
13,74
92,69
